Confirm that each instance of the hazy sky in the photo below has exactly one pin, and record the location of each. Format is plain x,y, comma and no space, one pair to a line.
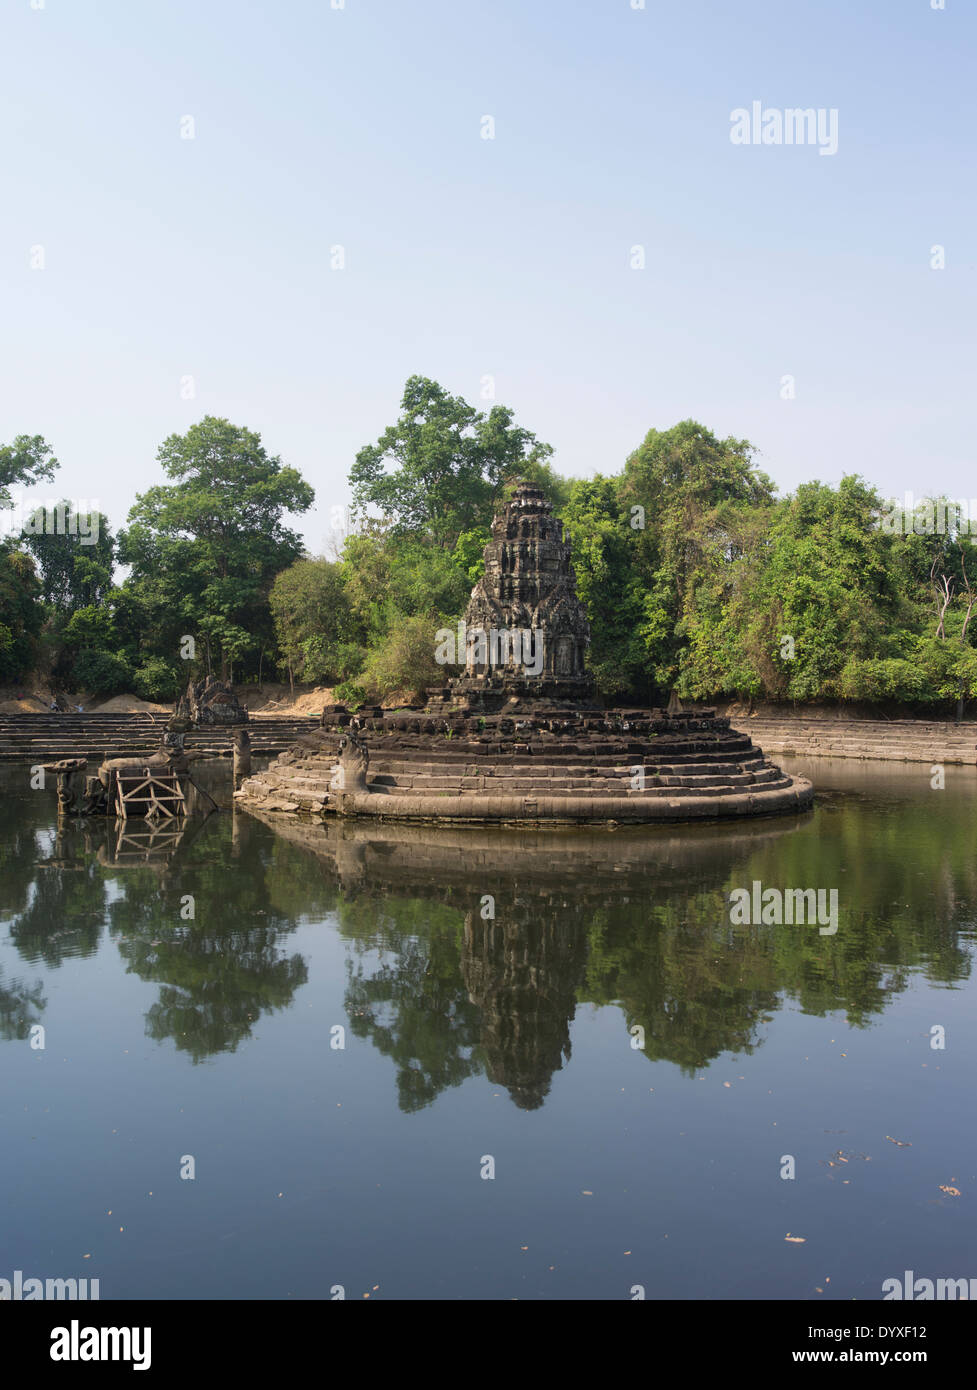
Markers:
361,126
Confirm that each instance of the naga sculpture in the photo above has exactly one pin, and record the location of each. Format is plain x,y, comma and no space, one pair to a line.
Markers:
209,702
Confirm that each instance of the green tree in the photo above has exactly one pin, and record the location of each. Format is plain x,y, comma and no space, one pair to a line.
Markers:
205,548
314,622
75,555
27,461
685,479
604,557
157,680
401,588
404,663
449,464
829,584
101,672
21,614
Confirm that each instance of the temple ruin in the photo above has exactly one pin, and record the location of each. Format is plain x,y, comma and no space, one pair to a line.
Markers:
528,588
518,735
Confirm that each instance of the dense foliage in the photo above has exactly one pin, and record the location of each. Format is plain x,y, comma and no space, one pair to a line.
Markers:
697,578
205,548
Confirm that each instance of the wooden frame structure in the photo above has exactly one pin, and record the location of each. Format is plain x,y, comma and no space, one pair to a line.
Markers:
147,844
150,793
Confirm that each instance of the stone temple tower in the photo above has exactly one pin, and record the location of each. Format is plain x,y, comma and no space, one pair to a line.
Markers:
526,631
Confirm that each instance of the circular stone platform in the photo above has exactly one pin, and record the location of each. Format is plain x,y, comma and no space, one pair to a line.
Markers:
553,767
519,737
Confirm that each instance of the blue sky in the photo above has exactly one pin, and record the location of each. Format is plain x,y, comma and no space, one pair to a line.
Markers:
360,126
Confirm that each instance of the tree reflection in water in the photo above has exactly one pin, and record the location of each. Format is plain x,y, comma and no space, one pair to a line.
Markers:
448,988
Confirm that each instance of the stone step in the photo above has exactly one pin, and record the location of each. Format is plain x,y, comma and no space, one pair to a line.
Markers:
884,748
437,776
592,790
550,777
551,753
296,784
917,737
544,767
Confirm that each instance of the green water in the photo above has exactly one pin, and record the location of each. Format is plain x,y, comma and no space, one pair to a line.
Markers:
481,1064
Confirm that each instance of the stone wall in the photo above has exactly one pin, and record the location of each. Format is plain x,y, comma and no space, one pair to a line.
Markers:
902,740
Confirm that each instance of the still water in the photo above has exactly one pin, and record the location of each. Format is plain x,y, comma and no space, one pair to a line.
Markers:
384,1089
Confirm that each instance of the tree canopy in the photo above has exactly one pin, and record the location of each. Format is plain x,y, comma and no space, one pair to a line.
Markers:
27,461
449,462
205,548
696,576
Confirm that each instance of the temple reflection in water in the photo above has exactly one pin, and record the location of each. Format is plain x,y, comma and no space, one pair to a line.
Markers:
545,919
468,950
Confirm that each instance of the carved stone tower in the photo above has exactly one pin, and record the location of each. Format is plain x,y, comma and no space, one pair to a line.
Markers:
526,631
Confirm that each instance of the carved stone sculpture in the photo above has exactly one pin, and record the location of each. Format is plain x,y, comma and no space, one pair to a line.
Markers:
526,631
209,702
354,760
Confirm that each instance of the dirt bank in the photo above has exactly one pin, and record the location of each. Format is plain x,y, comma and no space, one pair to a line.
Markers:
125,704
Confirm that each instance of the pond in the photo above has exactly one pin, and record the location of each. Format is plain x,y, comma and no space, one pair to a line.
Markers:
250,1061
